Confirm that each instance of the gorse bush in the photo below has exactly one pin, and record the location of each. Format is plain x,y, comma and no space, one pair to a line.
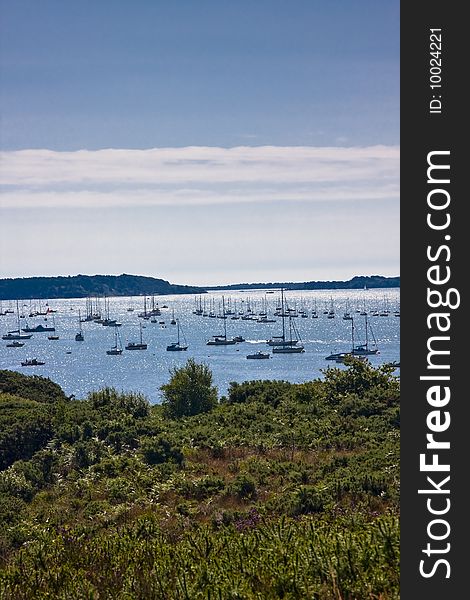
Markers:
110,400
268,392
26,426
280,490
159,450
31,387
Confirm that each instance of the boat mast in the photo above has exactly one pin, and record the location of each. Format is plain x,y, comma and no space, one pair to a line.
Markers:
283,316
352,335
223,318
367,334
18,316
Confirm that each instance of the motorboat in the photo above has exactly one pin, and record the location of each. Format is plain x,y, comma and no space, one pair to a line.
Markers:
15,344
258,355
37,329
32,362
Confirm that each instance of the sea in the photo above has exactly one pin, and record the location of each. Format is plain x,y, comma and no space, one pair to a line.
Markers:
81,367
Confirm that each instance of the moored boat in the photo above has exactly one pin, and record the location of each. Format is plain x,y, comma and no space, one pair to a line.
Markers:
32,362
177,346
137,345
117,348
258,355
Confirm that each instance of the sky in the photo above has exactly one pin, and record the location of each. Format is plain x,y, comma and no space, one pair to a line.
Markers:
206,143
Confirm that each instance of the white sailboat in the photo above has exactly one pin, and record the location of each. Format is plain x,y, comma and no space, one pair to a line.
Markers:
177,346
331,311
364,349
54,336
222,340
314,311
290,346
340,356
347,312
137,345
117,348
16,334
360,351
281,344
79,335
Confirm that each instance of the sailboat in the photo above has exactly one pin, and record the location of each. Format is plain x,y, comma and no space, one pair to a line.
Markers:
137,345
221,340
79,336
314,311
340,356
173,320
360,351
177,346
347,312
155,311
117,348
331,312
363,349
385,310
16,333
53,336
198,307
289,346
282,345
107,321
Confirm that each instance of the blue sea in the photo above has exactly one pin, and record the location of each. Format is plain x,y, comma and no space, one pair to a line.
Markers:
80,367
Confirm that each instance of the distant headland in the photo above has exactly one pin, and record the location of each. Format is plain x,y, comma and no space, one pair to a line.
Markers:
82,286
356,283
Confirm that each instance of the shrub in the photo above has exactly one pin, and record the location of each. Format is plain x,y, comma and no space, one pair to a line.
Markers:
159,450
189,391
31,387
135,405
268,392
25,428
243,487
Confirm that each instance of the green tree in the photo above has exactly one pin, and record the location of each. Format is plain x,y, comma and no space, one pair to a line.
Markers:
189,391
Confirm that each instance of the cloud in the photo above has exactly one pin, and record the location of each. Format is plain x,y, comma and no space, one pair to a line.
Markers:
197,175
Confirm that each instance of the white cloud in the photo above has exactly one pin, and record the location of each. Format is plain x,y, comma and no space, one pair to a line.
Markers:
197,175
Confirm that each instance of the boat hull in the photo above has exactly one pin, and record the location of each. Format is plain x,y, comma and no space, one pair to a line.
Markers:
288,350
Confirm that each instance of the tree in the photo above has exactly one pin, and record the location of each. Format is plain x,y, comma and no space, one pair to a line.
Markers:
189,391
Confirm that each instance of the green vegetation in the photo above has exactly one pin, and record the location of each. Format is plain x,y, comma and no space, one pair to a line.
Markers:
81,286
277,490
355,283
190,391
